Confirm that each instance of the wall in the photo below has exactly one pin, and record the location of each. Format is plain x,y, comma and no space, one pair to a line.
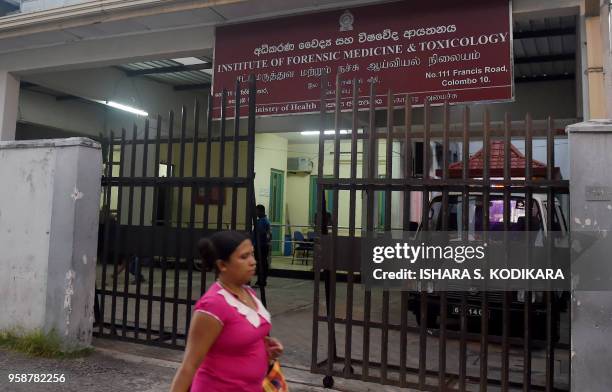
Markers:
53,204
86,119
606,34
270,153
595,70
93,119
298,184
591,309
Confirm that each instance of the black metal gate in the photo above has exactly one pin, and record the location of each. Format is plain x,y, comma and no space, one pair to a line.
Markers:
370,334
160,195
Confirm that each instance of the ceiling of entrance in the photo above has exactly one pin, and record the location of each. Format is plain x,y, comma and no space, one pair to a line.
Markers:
191,73
545,49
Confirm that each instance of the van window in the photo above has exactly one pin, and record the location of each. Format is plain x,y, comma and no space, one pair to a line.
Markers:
476,214
558,222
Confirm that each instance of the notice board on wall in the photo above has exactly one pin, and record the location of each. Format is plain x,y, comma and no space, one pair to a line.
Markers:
457,51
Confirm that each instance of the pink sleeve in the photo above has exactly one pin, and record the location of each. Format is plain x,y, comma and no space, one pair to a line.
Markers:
214,307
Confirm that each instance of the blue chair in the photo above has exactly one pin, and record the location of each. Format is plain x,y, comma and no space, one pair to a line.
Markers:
300,244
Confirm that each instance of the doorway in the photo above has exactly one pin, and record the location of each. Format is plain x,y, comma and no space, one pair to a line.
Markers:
277,188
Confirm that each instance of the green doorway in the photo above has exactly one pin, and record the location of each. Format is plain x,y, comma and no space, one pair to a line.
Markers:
275,213
312,205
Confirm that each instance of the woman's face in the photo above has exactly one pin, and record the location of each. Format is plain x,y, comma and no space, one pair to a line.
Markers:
240,267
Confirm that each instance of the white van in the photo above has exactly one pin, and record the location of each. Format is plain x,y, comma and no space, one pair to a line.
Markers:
518,223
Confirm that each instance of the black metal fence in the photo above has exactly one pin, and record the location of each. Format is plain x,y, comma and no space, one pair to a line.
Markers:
521,342
160,195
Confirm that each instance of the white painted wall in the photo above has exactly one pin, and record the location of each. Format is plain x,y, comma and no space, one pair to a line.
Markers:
71,116
270,153
53,204
105,84
298,184
606,35
9,97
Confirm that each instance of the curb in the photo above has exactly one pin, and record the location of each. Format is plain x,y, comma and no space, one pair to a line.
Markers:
137,358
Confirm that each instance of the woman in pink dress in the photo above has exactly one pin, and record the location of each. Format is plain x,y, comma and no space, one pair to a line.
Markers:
228,348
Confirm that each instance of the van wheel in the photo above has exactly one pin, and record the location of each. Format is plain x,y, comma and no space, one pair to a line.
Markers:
328,382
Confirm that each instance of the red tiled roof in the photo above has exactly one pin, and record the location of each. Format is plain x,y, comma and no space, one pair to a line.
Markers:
518,162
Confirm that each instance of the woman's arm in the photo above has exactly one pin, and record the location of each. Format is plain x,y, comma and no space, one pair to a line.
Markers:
203,331
274,348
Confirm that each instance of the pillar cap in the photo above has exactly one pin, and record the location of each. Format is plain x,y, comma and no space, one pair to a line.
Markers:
592,126
48,143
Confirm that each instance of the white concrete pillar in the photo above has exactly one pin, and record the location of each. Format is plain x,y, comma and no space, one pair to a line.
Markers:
591,200
49,236
606,34
9,105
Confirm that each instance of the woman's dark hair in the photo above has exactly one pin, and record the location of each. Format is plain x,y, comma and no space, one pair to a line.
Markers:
219,246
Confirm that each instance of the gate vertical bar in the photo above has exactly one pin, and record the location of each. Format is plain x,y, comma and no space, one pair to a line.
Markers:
179,224
167,224
505,358
251,153
352,207
207,188
443,298
528,228
107,219
372,159
153,226
550,306
384,352
141,226
484,329
318,225
127,260
194,191
331,309
222,159
251,164
236,153
118,238
424,217
406,227
465,205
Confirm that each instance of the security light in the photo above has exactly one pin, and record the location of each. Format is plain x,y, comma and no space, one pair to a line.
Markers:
330,132
125,108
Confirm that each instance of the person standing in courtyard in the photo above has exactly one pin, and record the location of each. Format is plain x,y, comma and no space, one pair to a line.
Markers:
228,348
262,236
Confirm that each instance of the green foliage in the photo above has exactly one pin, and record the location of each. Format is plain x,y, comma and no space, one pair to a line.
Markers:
39,344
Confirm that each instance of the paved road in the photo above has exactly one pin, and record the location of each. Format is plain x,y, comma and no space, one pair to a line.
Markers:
120,367
97,372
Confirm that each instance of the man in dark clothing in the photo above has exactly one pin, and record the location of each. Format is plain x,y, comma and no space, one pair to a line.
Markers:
123,259
261,241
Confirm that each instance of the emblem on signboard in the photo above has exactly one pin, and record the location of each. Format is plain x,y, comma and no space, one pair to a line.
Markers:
346,21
